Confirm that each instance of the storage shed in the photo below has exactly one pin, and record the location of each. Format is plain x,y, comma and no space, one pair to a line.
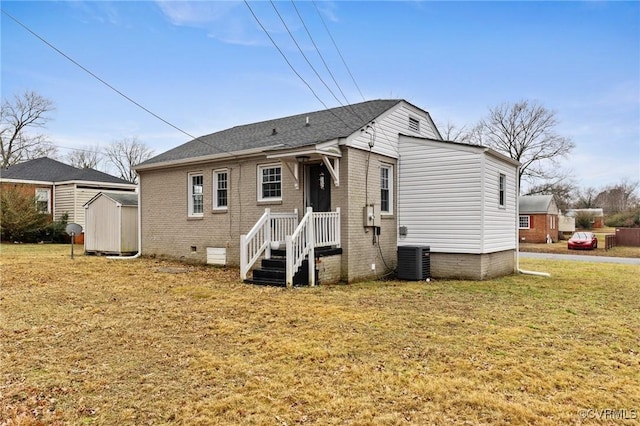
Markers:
111,224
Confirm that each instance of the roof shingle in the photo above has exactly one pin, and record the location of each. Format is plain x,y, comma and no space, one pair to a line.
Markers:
48,170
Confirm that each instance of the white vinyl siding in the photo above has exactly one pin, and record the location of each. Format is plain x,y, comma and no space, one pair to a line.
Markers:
65,202
439,197
448,198
196,194
389,125
220,189
499,221
269,182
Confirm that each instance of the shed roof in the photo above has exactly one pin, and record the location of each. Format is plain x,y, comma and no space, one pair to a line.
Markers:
287,132
118,197
46,169
535,203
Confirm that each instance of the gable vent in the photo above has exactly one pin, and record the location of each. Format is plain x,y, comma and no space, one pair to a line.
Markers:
414,124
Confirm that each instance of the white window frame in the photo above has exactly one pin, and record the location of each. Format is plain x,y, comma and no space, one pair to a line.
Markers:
520,223
502,190
191,212
260,193
389,168
46,191
216,179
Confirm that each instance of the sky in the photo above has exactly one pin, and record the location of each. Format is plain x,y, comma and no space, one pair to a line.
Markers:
204,66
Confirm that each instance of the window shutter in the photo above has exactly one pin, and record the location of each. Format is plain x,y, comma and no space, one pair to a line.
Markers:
530,222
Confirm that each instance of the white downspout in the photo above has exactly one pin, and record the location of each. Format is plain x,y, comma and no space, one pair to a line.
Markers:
135,256
522,271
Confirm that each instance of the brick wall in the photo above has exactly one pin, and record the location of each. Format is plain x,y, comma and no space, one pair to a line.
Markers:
539,228
168,231
329,269
361,248
472,266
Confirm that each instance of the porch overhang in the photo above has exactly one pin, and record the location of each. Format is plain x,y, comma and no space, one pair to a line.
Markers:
327,152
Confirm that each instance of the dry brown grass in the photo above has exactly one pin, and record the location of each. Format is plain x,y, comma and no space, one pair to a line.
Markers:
98,341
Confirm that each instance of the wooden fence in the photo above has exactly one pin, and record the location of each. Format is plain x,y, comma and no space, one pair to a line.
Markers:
628,237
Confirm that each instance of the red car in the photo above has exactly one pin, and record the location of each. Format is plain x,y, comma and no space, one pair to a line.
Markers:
583,240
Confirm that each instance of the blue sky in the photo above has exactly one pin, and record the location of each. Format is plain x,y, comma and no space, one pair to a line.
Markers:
205,66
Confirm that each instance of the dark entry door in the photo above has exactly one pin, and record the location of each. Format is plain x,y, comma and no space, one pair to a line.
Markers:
319,185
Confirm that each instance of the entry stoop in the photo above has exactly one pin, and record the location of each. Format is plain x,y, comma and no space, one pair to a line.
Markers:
272,271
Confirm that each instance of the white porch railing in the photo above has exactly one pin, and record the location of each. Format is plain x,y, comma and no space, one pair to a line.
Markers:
300,245
270,227
318,229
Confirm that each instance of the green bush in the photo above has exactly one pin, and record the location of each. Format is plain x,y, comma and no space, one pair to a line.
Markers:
627,219
584,220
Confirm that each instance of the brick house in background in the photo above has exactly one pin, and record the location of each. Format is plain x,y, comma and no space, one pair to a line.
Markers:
60,188
538,219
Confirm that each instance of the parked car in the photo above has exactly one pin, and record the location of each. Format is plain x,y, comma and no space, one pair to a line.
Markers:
582,240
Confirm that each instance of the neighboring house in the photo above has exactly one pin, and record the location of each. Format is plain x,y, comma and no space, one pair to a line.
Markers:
597,214
539,219
60,188
340,182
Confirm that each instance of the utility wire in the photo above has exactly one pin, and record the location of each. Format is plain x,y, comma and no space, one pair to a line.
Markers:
291,66
303,54
326,66
339,53
112,87
325,63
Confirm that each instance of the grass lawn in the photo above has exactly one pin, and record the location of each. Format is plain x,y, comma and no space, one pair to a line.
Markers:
147,341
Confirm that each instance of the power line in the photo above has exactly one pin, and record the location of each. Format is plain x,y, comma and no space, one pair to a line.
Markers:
325,63
290,65
339,53
112,87
302,53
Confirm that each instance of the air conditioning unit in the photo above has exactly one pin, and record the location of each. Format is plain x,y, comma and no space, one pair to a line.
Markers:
414,263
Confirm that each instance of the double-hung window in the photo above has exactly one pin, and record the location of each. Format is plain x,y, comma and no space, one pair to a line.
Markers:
502,182
523,222
386,189
196,195
43,200
220,189
270,182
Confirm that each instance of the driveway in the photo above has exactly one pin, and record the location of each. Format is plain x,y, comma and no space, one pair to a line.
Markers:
582,258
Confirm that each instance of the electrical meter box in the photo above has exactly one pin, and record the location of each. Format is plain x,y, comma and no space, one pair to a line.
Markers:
371,215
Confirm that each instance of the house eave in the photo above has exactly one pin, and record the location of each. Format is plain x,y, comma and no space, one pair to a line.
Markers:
200,160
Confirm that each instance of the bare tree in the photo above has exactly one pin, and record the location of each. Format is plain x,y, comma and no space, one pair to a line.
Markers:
525,131
618,198
88,157
451,132
586,198
126,153
26,111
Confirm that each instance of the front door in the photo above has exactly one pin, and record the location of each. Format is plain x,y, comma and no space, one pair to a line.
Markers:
319,188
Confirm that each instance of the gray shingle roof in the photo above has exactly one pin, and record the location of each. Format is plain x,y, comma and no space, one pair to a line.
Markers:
534,203
324,125
48,170
124,199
